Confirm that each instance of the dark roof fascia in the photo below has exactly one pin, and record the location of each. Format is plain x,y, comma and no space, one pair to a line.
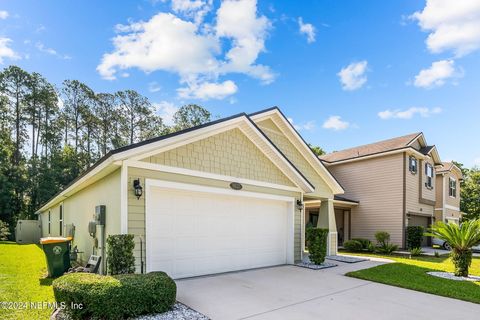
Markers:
344,199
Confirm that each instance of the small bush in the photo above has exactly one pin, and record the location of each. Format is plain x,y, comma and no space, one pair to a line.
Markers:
436,254
371,247
383,243
317,244
353,246
416,251
115,297
120,259
414,236
365,242
4,232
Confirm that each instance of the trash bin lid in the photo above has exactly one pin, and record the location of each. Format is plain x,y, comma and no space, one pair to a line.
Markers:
54,240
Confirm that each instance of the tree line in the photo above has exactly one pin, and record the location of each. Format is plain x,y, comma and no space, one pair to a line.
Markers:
50,135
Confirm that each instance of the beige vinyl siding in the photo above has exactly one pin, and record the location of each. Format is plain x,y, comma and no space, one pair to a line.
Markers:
378,184
449,213
455,202
415,183
80,208
428,194
439,191
136,207
292,153
230,153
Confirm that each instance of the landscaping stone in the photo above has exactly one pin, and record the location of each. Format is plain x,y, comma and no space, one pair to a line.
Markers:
179,312
451,276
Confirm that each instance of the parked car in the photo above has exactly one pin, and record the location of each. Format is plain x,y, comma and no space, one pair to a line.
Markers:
446,246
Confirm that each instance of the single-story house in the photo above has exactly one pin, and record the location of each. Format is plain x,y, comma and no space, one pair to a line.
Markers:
224,196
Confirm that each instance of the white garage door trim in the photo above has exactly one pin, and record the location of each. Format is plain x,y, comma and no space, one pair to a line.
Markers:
168,185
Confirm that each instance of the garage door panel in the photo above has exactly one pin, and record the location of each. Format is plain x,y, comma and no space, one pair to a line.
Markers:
195,233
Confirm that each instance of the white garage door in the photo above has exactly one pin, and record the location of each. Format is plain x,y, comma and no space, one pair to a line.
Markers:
191,233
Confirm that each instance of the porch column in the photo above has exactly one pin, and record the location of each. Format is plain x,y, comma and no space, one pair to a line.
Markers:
326,220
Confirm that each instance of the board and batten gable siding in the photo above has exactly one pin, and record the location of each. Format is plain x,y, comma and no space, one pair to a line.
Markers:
136,207
378,184
79,209
54,222
230,153
415,188
270,129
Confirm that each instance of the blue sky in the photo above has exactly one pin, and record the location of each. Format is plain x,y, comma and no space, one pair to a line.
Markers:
345,72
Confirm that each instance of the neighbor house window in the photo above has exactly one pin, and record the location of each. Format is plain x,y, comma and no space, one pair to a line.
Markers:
61,220
452,190
429,174
49,222
413,165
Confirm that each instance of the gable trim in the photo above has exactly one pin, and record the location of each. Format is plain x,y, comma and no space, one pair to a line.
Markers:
207,175
312,159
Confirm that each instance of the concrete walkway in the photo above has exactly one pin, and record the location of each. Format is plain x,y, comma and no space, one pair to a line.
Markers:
289,292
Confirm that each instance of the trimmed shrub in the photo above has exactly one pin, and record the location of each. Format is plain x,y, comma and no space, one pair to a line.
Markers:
414,236
115,297
353,246
383,243
365,242
416,252
120,259
317,244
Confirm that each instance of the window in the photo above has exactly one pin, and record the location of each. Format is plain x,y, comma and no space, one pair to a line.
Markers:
429,173
412,165
49,222
452,190
61,220
313,218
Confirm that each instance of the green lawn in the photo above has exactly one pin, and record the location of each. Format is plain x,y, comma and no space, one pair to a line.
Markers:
22,279
412,274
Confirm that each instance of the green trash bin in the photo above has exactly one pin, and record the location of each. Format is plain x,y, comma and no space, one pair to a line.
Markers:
57,252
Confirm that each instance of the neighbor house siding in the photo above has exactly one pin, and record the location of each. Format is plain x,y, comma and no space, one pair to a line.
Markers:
136,207
452,201
416,189
230,153
80,208
378,184
292,153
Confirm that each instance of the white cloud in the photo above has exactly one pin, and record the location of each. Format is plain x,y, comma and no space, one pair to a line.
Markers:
307,29
42,48
306,126
196,9
193,50
166,110
335,123
208,90
408,113
6,51
437,74
353,76
3,14
453,25
154,86
238,21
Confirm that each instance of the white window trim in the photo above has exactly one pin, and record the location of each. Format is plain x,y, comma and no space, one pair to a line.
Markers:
410,159
450,180
429,166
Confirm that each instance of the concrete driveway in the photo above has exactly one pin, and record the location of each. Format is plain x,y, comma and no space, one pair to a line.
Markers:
289,292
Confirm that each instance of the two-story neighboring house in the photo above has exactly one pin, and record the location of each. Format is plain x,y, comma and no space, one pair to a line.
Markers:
394,182
447,207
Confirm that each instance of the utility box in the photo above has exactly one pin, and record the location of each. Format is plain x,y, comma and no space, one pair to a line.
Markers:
27,231
100,215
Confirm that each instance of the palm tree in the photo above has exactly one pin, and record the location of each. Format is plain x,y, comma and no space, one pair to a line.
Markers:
461,238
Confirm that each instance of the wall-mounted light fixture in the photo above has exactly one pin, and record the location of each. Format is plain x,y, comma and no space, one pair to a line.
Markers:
137,187
299,205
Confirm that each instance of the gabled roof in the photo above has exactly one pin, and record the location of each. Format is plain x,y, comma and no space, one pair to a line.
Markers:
371,149
379,148
445,167
302,146
113,159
